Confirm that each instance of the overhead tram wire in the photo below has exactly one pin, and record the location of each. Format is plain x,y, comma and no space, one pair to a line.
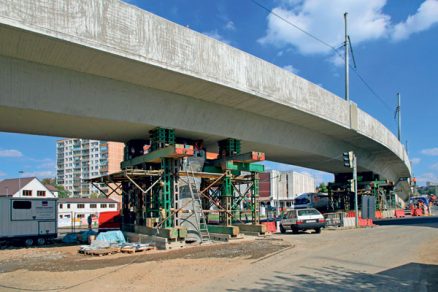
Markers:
354,68
335,50
294,25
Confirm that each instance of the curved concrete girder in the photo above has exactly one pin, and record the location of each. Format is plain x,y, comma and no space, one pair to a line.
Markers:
119,41
62,102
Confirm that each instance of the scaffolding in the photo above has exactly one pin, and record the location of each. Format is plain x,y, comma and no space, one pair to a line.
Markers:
150,184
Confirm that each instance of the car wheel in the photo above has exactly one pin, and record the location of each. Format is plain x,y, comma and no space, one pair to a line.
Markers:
318,230
294,230
28,242
41,241
282,230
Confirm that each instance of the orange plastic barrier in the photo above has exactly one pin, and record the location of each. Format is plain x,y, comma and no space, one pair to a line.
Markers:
270,226
363,222
379,215
351,214
399,213
418,212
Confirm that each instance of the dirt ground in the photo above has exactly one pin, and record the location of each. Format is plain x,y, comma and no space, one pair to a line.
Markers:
66,258
64,263
383,258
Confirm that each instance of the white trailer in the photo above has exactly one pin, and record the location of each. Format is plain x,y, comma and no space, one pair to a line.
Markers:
29,220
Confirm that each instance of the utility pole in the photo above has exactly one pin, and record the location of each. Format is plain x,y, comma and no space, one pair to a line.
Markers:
20,172
347,77
398,113
278,194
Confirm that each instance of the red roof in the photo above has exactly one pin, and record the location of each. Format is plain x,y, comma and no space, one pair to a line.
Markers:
51,188
9,187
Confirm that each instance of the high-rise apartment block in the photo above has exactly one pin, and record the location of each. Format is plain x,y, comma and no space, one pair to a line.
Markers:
80,159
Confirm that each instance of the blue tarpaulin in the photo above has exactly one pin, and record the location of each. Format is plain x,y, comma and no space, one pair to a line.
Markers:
111,237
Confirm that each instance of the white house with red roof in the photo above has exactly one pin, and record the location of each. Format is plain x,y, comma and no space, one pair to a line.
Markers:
26,187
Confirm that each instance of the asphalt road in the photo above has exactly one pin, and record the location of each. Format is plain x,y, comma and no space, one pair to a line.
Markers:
384,258
400,257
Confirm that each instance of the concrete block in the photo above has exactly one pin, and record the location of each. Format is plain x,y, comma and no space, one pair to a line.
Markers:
252,228
231,230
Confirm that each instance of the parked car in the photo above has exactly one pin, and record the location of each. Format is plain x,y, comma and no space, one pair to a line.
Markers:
302,219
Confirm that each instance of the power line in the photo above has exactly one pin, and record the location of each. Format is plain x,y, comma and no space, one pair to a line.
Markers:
335,50
294,25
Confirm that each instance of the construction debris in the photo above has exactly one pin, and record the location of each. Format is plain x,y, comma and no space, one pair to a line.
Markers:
112,242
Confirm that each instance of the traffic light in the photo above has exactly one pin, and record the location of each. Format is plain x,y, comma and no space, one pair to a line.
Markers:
348,159
351,185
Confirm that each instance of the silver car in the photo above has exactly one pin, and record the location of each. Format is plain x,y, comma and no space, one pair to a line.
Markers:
302,219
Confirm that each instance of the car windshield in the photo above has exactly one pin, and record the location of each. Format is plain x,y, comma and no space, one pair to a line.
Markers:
307,212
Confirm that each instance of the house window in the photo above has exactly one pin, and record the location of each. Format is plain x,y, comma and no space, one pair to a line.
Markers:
103,206
27,193
60,206
112,205
68,206
67,216
93,206
80,216
60,216
41,193
81,206
22,205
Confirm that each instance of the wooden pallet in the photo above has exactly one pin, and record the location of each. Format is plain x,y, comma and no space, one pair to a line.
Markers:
102,251
134,250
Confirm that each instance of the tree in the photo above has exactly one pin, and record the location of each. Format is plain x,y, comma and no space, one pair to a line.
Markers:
48,181
95,195
62,193
323,188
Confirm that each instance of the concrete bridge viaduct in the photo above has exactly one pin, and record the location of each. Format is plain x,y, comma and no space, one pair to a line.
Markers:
104,69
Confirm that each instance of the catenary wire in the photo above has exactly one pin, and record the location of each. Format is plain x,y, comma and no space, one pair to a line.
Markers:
335,50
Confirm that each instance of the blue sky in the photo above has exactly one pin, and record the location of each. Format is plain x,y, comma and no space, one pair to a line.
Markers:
395,44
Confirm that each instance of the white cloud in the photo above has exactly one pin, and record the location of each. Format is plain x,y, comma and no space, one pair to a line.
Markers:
40,174
214,34
415,160
49,164
230,25
324,19
10,153
430,151
434,166
2,173
336,60
426,16
291,69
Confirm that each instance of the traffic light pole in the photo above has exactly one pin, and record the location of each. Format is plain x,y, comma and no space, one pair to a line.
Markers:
350,161
356,211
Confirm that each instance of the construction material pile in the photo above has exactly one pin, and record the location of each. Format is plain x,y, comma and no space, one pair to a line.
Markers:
112,242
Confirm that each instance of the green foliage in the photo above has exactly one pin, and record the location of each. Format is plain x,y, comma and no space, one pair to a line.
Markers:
95,195
323,188
62,193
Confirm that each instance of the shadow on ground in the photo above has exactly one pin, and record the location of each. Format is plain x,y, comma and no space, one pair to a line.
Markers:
409,277
431,221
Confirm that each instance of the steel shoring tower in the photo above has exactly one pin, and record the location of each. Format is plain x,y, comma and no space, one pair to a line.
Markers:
151,198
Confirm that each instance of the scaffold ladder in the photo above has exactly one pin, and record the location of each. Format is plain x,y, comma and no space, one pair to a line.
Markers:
200,218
